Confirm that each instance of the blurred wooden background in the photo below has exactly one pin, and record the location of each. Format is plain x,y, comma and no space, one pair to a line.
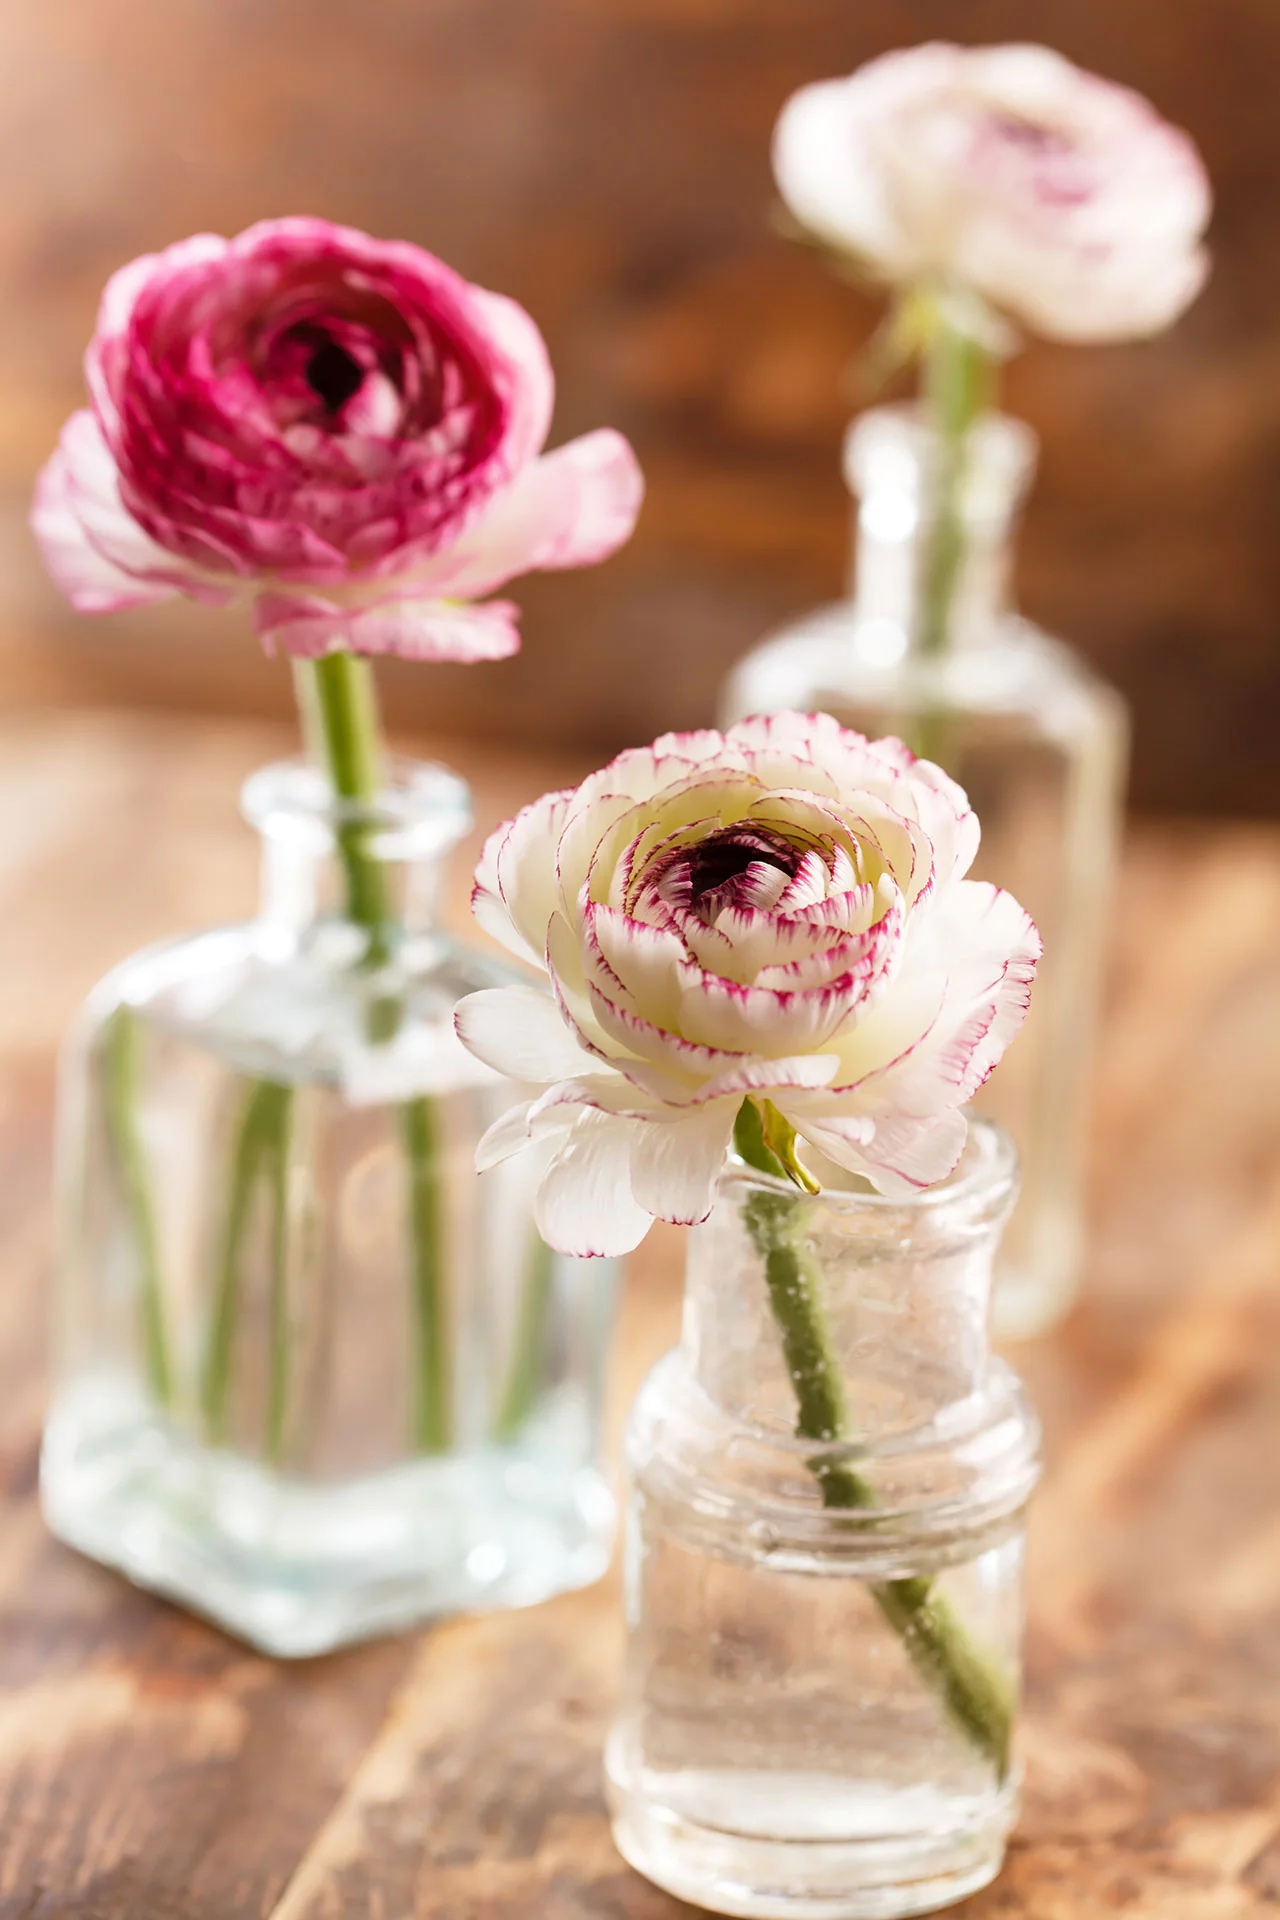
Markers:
605,161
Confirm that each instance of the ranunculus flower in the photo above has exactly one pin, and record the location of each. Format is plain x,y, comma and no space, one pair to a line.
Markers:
1063,199
779,911
340,429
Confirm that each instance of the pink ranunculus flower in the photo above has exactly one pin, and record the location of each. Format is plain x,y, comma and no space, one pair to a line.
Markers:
777,912
339,429
1062,198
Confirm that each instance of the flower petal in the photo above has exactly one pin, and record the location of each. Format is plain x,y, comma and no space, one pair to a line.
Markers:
518,1031
991,948
585,1205
307,625
571,508
635,963
506,1136
675,1163
514,895
96,552
898,1153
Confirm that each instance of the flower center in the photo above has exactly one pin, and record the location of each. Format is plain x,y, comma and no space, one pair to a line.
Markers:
334,375
739,867
1032,136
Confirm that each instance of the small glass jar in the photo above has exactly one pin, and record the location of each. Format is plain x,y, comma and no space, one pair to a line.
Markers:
1038,741
825,1631
316,1377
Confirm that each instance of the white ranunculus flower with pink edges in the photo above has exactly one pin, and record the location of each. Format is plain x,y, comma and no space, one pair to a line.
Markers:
777,913
1062,198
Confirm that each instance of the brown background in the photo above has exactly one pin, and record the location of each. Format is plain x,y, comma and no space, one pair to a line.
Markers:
605,161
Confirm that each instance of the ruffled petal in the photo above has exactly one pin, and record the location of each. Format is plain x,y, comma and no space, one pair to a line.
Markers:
824,155
675,1163
307,625
585,1206
991,948
571,508
516,335
508,1134
94,549
518,1031
898,1153
515,893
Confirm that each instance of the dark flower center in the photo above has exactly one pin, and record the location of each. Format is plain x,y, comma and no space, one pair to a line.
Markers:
334,375
724,870
726,857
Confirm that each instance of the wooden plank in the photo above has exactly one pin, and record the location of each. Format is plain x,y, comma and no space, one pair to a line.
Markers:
149,1768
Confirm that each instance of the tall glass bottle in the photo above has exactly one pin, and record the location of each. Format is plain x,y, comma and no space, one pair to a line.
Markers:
1035,737
315,1376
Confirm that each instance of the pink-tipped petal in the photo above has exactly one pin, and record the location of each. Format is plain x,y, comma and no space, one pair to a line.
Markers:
908,1154
518,339
308,625
811,1070
674,1163
571,508
585,1205
518,1031
516,881
96,552
506,1136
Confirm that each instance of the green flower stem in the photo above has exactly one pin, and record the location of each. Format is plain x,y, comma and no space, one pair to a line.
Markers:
278,1152
955,384
260,1152
977,1694
520,1389
339,704
956,379
432,1414
120,1087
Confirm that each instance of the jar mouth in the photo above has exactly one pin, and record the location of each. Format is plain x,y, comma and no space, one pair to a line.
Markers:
987,1171
888,452
421,809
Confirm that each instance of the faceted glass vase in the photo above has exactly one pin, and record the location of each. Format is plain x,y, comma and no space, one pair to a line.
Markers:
824,1634
316,1377
1038,741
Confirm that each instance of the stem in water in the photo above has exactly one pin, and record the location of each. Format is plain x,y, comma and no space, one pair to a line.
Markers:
956,379
120,1086
260,1152
279,1151
339,704
432,1420
977,1694
528,1356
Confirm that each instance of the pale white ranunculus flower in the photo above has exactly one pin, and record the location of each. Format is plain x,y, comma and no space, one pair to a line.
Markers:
778,912
1062,198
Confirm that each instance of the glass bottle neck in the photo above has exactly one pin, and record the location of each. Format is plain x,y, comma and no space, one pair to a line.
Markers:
376,866
893,462
897,1293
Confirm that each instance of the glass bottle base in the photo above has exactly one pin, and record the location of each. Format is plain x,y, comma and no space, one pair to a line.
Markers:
768,1846
296,1567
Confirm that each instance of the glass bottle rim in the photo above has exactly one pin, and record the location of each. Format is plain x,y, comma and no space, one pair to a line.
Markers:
987,1172
898,441
421,808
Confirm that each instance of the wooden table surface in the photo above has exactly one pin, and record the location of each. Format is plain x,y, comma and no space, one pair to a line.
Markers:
150,1768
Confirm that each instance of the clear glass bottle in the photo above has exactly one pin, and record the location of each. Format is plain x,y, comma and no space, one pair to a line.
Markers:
824,1632
316,1377
1038,741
